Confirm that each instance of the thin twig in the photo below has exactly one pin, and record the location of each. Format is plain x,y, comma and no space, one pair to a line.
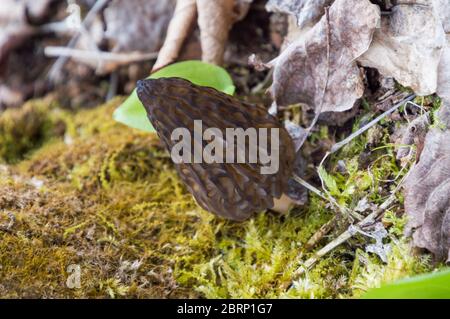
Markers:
308,186
336,147
123,58
322,232
316,191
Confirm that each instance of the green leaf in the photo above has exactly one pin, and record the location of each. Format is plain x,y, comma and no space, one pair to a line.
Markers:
329,181
428,286
132,112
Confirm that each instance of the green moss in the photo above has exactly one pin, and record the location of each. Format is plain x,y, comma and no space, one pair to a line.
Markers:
26,128
253,259
106,198
372,274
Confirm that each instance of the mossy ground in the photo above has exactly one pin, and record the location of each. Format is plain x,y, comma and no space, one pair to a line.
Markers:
80,189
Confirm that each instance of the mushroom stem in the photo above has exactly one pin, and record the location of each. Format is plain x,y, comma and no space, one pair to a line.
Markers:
283,204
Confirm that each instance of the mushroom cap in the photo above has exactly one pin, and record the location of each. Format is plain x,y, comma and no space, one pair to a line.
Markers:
231,190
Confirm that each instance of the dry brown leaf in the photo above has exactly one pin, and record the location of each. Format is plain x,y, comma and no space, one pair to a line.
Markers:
215,19
443,85
181,24
294,32
319,69
138,25
443,9
427,196
307,12
408,46
444,114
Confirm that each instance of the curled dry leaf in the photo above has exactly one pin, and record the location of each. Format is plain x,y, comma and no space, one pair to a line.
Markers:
408,46
427,196
181,24
443,9
443,86
307,12
319,68
215,19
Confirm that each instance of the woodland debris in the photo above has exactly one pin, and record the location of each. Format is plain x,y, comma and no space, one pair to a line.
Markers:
109,61
307,12
138,25
321,233
408,46
215,19
443,81
120,28
319,69
336,147
178,29
427,195
352,230
55,72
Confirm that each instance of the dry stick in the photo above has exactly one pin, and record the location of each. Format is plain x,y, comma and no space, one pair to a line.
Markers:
113,84
316,191
123,58
54,73
308,186
325,229
336,147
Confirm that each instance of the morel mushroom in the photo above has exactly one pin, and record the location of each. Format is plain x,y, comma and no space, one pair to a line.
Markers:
234,187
